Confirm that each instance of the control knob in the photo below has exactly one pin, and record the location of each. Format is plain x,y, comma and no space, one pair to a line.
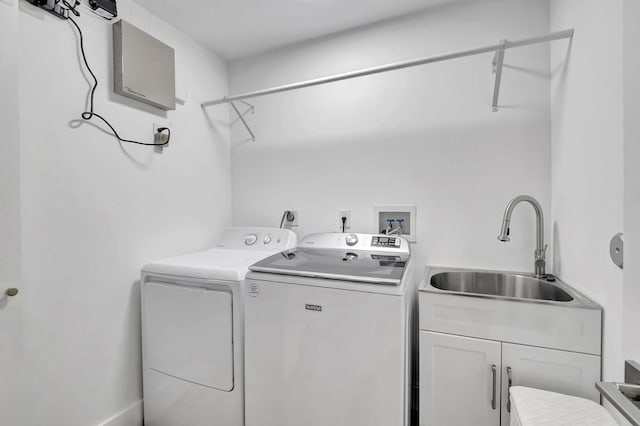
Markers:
350,256
351,239
267,239
250,239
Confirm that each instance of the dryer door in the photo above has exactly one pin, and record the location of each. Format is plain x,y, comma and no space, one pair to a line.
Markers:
188,333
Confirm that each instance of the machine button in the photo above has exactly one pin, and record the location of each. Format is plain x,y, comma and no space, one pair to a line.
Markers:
267,239
351,239
250,239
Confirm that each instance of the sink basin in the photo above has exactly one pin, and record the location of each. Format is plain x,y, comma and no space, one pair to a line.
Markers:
499,284
509,307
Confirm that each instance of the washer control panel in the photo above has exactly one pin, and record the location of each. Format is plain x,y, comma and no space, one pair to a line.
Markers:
379,241
354,241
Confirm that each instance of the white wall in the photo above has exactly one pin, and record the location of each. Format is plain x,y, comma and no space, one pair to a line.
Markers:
9,170
631,342
93,212
424,136
587,158
11,367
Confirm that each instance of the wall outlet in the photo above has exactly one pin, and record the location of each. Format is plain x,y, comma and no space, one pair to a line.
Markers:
347,223
160,138
291,218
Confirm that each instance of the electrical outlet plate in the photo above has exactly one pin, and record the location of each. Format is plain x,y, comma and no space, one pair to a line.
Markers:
347,224
397,211
293,222
156,126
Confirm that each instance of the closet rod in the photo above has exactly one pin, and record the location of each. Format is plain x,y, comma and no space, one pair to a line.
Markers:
395,66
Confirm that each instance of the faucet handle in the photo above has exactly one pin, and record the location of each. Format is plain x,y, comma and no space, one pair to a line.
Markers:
540,254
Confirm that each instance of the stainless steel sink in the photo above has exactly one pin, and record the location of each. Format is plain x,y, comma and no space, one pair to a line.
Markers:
499,284
510,307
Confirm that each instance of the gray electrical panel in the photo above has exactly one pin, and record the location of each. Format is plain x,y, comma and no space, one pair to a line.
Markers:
144,67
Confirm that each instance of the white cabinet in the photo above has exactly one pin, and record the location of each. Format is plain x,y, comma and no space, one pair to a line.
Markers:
459,380
457,377
564,372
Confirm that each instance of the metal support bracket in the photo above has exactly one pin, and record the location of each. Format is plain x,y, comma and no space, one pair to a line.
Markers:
241,117
251,109
496,66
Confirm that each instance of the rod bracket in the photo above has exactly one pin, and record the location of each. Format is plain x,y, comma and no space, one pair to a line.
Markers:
496,68
250,108
241,117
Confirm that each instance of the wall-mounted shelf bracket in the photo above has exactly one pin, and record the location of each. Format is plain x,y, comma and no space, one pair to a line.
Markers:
241,117
498,61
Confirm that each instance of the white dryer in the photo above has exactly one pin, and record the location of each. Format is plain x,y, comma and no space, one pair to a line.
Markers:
329,333
192,330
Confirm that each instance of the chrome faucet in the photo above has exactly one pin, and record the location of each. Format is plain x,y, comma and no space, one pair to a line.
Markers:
541,248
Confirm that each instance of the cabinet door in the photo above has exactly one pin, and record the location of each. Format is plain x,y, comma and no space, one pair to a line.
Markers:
570,373
459,380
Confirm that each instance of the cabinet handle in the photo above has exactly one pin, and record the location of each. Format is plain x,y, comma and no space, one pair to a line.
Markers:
493,395
509,383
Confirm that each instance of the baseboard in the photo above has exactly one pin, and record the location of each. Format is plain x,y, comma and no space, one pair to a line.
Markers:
131,416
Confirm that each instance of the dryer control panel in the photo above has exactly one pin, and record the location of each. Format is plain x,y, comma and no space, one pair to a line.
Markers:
271,239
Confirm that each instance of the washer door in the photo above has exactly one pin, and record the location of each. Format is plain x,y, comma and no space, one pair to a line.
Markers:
188,333
318,356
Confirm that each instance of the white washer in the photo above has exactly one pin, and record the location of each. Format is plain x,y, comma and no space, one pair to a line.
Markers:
329,332
192,330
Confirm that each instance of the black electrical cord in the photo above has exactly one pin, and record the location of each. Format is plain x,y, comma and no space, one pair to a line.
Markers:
88,115
72,8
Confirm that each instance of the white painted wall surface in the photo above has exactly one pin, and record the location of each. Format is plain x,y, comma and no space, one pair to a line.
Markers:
11,366
94,212
631,337
424,136
587,159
